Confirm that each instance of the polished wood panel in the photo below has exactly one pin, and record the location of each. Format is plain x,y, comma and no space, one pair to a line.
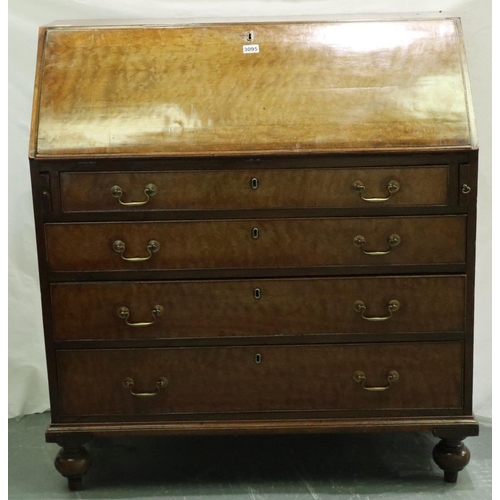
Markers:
288,378
466,425
313,87
280,243
283,307
272,188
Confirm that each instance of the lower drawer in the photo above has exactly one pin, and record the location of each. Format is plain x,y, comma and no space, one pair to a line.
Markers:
260,379
255,308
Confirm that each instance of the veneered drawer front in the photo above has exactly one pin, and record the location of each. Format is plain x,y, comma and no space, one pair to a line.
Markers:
264,243
287,378
255,189
255,308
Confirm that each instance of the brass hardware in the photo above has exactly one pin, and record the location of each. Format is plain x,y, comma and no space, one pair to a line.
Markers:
45,201
257,293
149,190
392,376
466,189
392,306
119,247
124,313
255,233
254,183
258,358
129,383
394,240
392,186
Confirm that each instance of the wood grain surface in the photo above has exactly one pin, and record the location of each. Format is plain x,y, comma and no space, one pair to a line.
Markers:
199,309
465,425
227,379
280,243
273,188
190,90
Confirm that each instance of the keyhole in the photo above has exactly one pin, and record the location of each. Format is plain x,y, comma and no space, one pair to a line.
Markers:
249,36
254,183
255,233
258,358
257,293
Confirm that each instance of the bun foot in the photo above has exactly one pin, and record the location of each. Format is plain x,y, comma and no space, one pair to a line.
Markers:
75,483
73,462
451,455
450,477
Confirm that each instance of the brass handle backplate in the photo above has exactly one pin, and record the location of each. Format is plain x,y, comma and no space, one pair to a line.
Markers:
392,376
360,241
129,383
392,306
124,313
392,186
119,247
149,190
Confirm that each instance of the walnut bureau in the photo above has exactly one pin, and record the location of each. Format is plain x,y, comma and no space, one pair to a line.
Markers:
258,227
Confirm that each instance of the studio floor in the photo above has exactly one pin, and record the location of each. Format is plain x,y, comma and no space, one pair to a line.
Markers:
352,466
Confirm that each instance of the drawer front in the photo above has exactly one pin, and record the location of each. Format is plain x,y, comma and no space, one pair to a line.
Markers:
257,307
256,243
255,189
287,378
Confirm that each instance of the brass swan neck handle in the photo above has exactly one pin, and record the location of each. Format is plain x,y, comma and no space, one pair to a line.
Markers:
392,186
393,240
117,192
392,307
392,377
152,247
129,383
123,312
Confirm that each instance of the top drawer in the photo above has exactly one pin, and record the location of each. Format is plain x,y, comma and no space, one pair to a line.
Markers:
255,189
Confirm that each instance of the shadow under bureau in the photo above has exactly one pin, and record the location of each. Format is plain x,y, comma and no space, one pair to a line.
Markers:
256,228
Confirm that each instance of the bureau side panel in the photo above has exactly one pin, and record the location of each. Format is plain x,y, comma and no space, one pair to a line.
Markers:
471,170
41,205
